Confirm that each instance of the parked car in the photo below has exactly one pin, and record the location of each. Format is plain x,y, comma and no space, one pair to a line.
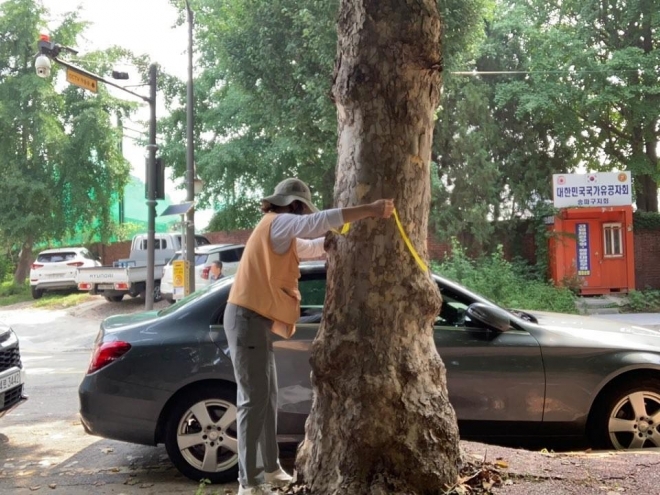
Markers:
165,376
12,374
129,276
229,254
55,269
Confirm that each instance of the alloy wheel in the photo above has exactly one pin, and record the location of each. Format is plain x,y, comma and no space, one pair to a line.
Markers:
206,435
635,421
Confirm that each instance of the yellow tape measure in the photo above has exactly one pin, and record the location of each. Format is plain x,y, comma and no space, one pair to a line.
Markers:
411,248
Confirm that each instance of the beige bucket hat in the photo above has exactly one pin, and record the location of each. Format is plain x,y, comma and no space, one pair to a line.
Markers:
290,190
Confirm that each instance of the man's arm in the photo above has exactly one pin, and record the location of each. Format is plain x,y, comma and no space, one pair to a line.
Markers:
310,248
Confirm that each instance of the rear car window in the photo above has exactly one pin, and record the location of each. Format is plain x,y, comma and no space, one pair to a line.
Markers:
55,257
231,255
158,244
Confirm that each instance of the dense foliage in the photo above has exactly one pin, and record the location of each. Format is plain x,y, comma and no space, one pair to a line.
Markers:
579,92
644,220
263,103
643,301
508,284
61,162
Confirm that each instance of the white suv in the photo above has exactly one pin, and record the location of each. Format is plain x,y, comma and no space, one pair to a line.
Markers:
55,269
229,254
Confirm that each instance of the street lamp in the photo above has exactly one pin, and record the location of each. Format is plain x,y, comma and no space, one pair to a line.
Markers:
50,51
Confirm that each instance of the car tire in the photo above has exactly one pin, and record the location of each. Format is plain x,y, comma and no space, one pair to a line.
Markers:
158,295
190,442
623,417
114,299
36,293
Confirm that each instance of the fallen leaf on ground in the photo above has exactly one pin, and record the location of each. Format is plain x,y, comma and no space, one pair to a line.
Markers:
107,450
52,485
35,488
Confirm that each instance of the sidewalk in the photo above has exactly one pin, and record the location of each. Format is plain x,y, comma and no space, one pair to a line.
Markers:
580,473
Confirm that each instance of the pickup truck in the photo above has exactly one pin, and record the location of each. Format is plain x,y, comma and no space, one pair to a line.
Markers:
129,275
114,282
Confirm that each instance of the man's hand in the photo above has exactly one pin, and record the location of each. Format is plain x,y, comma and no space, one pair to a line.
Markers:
382,208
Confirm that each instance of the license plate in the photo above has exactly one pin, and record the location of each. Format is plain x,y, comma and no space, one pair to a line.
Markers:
106,286
10,381
55,275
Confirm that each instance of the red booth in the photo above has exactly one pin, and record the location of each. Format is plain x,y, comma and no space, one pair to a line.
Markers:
593,241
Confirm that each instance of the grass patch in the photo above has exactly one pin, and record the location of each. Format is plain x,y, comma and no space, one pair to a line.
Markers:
510,285
61,301
11,293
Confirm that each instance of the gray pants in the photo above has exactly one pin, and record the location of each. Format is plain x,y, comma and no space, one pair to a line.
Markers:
251,348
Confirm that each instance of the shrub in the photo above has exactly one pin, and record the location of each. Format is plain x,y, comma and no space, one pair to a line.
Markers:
11,293
510,285
643,301
6,267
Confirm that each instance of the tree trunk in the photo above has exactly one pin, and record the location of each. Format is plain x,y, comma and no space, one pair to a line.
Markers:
24,262
381,422
646,193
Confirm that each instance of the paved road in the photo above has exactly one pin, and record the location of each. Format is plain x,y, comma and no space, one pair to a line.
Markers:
43,447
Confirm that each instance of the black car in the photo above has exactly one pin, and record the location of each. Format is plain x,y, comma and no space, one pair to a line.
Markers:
12,375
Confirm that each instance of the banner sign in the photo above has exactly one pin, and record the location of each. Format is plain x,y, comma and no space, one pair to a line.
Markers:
596,189
179,279
583,255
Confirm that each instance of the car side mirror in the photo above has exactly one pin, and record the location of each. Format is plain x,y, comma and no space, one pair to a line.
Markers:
491,316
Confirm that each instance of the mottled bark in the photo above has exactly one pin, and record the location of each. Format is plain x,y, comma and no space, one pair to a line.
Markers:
381,422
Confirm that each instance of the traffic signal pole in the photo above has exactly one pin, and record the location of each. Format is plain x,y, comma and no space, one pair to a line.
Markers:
52,51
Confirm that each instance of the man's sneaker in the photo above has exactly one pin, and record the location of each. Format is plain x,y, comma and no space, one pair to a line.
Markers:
255,490
278,478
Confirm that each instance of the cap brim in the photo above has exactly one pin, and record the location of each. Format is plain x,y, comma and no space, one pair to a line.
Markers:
279,200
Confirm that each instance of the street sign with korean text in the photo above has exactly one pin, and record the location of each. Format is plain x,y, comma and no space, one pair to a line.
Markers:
594,189
81,80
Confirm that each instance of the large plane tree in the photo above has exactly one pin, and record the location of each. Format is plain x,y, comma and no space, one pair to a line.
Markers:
381,421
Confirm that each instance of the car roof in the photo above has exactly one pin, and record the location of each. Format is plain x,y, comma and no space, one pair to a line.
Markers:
62,250
208,248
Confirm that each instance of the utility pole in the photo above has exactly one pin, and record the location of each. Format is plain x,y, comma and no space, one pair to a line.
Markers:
151,188
190,159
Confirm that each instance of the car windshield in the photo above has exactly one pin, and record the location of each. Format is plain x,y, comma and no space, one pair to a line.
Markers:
198,294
